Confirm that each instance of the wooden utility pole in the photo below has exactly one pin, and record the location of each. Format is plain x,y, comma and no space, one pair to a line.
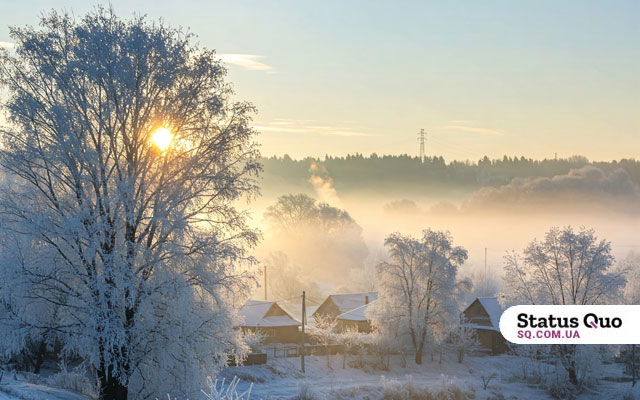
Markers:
485,261
265,282
304,314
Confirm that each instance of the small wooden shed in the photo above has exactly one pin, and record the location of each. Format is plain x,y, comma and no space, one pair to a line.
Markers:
271,320
483,315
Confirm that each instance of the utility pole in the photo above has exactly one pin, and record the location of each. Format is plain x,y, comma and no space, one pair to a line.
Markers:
486,275
421,139
304,316
485,261
265,282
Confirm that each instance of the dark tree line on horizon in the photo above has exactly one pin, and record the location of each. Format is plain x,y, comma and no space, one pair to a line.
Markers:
357,171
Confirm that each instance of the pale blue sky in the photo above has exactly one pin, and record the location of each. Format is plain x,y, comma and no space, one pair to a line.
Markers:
518,77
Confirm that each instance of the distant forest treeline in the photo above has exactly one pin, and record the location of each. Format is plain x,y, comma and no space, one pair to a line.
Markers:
358,172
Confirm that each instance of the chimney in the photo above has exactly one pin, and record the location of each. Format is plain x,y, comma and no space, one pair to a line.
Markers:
366,299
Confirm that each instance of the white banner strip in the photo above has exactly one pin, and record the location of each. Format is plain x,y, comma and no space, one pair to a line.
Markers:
611,324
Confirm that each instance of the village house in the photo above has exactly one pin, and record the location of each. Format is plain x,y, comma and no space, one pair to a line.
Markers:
337,304
483,315
270,320
356,318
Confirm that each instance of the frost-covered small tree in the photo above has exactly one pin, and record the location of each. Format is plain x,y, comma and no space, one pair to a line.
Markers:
127,156
462,340
566,268
418,285
324,332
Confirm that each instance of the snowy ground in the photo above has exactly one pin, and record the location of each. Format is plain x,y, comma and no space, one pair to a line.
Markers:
281,379
20,389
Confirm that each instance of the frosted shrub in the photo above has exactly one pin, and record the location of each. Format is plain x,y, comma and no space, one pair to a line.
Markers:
395,390
324,332
228,392
75,380
305,392
254,339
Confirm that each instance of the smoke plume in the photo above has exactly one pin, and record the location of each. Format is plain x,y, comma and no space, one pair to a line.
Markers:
323,184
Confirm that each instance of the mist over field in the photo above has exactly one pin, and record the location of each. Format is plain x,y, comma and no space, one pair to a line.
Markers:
500,205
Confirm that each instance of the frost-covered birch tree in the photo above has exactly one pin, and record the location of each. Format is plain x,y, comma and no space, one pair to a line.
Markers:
418,286
128,157
565,268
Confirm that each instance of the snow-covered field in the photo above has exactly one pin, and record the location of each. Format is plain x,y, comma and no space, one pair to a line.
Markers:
281,379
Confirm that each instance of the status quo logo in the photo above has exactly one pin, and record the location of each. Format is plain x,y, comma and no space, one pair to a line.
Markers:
610,324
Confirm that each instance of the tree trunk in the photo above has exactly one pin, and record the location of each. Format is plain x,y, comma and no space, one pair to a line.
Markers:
419,354
567,354
573,378
633,365
110,386
42,349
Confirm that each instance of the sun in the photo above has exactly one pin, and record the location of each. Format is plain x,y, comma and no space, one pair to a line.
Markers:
162,138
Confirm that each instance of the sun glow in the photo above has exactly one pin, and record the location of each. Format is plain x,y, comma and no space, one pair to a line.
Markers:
162,138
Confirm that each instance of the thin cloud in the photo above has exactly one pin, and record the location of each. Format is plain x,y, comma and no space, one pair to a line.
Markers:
473,129
7,45
291,126
247,61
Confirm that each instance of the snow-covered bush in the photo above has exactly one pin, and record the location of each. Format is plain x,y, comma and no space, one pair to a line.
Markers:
324,331
354,343
229,392
380,347
27,321
396,390
306,392
76,380
533,362
462,341
254,339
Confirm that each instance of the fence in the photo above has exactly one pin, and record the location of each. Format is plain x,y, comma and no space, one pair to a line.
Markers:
294,351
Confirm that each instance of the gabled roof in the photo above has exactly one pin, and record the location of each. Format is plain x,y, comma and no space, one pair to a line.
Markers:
295,310
493,309
348,301
357,314
260,313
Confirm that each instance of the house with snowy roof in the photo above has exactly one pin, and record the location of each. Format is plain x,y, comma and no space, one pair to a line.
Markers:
269,319
355,319
338,304
483,315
